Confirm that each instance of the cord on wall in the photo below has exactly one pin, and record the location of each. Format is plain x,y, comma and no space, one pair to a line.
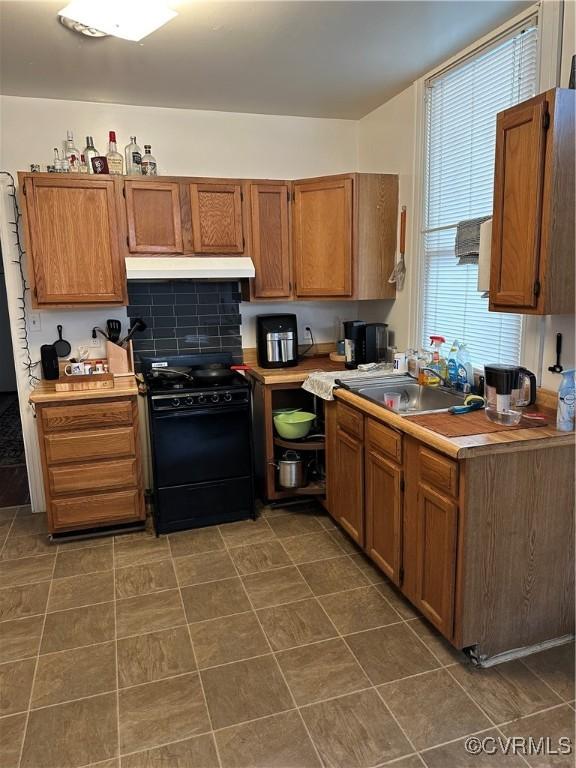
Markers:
28,363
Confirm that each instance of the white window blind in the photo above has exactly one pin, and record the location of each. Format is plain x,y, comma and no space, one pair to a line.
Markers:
461,107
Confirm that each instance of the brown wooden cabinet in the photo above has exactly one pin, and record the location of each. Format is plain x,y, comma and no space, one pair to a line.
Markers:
344,236
153,216
90,458
73,228
532,262
217,218
269,206
482,546
384,488
348,493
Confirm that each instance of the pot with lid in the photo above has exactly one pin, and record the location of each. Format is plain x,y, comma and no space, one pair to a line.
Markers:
508,388
291,470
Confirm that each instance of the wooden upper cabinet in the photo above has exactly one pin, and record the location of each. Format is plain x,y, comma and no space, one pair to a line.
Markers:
73,240
270,240
532,262
153,216
323,237
344,236
217,217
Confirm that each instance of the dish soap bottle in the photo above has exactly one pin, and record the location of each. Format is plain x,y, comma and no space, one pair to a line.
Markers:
453,363
465,370
566,399
438,362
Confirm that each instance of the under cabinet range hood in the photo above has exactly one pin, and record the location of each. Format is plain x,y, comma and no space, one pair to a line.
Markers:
188,267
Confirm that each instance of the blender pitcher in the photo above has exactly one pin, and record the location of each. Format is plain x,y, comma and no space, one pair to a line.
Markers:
506,392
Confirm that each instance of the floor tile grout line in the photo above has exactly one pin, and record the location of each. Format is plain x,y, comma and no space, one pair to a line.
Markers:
201,682
118,730
372,686
280,670
542,680
25,732
7,535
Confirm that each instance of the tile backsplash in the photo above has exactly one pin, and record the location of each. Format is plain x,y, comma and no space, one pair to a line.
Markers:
186,317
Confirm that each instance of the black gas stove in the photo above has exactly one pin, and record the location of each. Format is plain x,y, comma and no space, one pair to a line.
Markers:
201,439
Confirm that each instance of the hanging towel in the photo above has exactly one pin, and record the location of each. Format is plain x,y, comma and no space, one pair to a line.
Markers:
468,240
484,256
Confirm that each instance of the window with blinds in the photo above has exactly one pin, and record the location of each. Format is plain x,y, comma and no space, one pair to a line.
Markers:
461,107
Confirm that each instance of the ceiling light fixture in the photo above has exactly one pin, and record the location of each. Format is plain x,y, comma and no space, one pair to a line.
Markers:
128,19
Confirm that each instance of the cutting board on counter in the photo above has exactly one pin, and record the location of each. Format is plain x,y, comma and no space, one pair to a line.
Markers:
474,423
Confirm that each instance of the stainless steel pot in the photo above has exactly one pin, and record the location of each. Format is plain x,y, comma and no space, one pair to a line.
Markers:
291,470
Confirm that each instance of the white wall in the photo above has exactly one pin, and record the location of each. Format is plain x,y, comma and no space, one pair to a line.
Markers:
185,142
386,144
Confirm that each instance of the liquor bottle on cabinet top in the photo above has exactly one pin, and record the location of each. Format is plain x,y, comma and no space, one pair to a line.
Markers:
57,161
114,158
83,168
69,148
89,152
149,167
133,158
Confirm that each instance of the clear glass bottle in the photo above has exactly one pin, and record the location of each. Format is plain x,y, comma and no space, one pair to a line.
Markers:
83,168
57,161
133,155
149,166
114,158
69,148
74,164
90,151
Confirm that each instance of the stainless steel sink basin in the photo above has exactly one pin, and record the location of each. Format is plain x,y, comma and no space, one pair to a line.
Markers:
414,398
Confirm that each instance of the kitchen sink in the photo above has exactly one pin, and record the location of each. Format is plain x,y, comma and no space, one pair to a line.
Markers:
414,398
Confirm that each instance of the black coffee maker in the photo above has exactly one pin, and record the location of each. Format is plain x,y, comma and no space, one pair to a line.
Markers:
354,343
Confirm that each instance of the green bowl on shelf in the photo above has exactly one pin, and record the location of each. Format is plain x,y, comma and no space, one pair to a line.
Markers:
295,425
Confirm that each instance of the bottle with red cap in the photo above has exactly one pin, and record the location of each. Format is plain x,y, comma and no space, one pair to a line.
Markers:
114,158
438,362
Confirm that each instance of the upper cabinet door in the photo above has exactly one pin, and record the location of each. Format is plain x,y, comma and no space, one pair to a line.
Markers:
153,216
323,237
217,217
270,240
518,185
74,241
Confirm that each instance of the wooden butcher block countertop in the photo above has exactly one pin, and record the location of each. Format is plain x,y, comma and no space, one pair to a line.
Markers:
295,374
469,445
44,392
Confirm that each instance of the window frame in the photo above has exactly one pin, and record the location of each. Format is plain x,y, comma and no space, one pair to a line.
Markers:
549,20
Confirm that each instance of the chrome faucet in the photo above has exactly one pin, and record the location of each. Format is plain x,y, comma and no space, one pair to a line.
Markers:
443,381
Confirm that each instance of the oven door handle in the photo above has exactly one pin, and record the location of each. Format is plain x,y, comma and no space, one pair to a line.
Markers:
201,411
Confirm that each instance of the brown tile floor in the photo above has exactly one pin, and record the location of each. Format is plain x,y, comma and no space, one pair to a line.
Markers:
269,644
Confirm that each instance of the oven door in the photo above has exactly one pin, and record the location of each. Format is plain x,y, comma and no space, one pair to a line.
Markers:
201,445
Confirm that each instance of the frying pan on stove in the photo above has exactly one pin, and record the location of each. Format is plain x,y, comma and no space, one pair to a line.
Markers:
216,373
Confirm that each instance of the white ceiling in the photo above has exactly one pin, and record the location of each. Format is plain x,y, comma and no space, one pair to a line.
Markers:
321,59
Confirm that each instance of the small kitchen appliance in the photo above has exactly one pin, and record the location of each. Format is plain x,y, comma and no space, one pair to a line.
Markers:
354,343
201,441
277,340
507,389
376,343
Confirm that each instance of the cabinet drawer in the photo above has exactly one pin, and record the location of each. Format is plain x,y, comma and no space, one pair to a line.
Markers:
88,445
384,440
100,509
99,476
438,471
350,420
83,416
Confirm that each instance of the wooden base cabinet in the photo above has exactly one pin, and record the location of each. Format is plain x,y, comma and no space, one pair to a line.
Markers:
483,546
91,462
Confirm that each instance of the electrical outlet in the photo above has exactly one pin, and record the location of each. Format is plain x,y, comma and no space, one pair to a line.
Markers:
95,342
34,321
